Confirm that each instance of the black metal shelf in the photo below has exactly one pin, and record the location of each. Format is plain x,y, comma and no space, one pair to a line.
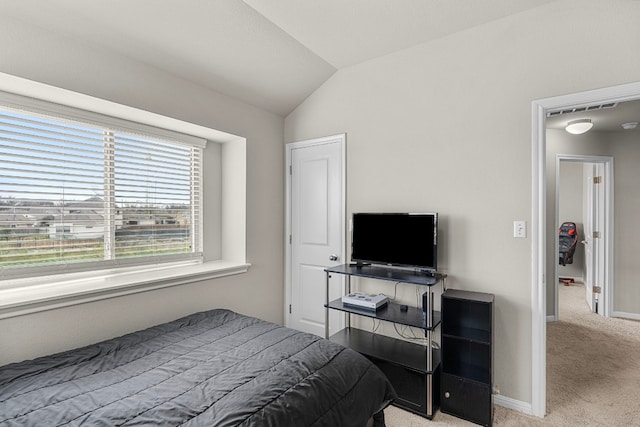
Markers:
390,274
391,313
413,369
389,349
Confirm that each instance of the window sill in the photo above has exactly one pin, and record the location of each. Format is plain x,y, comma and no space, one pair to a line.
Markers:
46,293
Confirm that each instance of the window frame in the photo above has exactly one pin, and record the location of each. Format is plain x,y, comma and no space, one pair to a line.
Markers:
33,294
110,127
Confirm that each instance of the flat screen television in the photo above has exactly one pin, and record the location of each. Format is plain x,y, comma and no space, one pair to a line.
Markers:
395,239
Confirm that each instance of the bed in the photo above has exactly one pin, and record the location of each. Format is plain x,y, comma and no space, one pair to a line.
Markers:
215,368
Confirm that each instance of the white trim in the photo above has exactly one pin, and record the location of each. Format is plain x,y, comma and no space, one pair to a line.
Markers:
287,236
538,263
610,237
539,109
341,139
509,403
551,318
625,315
78,288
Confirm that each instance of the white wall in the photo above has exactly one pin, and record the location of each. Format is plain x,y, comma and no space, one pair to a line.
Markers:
45,57
446,126
625,149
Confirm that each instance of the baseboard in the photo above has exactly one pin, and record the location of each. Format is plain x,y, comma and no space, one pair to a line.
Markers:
551,318
625,315
514,404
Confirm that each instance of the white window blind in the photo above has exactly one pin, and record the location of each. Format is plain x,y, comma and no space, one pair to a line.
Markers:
77,195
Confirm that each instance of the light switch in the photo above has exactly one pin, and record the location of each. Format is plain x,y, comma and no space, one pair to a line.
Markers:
520,229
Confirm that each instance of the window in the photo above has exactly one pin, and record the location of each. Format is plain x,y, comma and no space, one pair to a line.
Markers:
218,245
91,192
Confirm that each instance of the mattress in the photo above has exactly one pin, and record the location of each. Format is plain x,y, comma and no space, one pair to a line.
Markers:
215,368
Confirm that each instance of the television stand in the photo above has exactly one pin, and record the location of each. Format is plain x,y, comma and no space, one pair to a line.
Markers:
413,369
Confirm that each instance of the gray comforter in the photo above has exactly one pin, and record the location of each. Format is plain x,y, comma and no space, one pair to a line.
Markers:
216,368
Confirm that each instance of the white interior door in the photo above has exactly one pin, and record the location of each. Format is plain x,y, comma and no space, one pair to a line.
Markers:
599,247
316,229
594,227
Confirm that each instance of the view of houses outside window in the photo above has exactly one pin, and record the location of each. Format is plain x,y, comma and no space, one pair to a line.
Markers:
73,193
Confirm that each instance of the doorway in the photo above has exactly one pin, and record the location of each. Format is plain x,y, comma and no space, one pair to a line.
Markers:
315,235
627,92
584,195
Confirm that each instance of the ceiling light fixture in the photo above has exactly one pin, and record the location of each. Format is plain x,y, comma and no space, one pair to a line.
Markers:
630,125
578,127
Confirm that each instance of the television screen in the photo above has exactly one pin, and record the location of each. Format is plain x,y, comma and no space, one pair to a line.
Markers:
396,239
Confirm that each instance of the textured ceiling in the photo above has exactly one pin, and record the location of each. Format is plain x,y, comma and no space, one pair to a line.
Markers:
268,53
347,32
224,45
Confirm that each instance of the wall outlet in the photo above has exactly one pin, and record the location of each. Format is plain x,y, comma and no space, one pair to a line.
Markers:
520,229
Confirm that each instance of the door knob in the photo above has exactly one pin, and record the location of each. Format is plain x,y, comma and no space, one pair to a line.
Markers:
333,257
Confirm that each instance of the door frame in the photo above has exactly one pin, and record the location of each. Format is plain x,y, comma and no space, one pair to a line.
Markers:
289,147
608,243
539,108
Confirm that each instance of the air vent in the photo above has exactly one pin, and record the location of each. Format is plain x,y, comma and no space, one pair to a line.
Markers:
580,109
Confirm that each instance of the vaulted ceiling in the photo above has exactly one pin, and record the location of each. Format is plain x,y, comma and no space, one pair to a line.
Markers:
268,53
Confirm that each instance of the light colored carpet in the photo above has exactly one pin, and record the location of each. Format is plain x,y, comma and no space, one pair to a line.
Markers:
593,373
